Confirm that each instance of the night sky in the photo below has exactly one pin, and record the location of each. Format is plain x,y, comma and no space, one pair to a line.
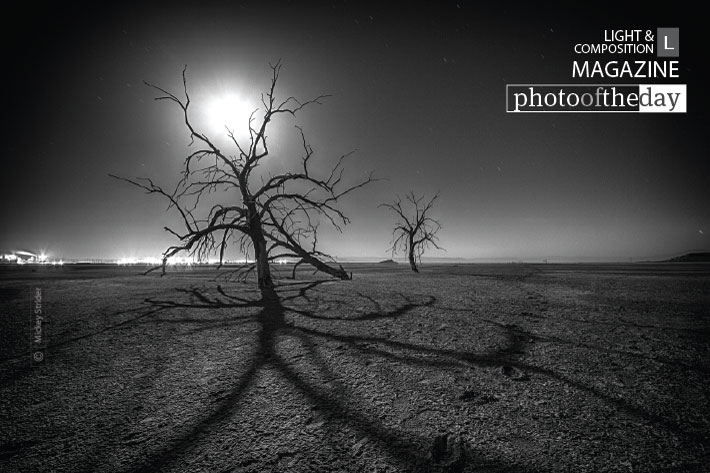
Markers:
417,91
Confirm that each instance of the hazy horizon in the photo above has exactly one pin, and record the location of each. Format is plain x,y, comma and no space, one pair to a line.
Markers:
151,260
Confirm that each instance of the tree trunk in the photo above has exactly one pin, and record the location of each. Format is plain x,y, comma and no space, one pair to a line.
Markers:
263,270
412,259
412,262
261,255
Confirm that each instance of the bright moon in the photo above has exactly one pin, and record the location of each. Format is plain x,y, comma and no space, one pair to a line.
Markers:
230,111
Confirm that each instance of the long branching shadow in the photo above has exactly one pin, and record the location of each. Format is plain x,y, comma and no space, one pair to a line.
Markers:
285,312
409,451
515,331
273,306
517,340
280,312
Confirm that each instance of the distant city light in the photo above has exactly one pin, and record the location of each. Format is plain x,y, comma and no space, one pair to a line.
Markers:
27,257
176,261
154,261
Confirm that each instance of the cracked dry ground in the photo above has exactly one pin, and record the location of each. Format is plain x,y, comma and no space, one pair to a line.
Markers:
460,368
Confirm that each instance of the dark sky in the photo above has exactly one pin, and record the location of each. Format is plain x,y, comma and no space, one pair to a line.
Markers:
417,90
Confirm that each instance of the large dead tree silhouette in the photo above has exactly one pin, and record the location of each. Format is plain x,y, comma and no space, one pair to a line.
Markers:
275,216
415,231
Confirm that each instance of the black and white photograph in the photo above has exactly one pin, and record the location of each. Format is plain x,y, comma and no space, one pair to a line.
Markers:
354,237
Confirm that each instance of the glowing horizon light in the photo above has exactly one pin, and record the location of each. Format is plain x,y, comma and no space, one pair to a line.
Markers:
179,261
188,261
155,261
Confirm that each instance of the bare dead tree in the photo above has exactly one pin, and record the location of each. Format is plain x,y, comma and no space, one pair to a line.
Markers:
415,231
274,216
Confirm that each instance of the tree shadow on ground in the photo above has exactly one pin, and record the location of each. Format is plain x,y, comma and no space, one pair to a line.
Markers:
408,451
275,319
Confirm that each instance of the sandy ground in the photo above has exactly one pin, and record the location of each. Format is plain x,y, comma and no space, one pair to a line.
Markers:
549,368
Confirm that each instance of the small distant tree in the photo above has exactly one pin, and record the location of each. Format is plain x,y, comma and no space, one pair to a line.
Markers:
275,216
415,231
